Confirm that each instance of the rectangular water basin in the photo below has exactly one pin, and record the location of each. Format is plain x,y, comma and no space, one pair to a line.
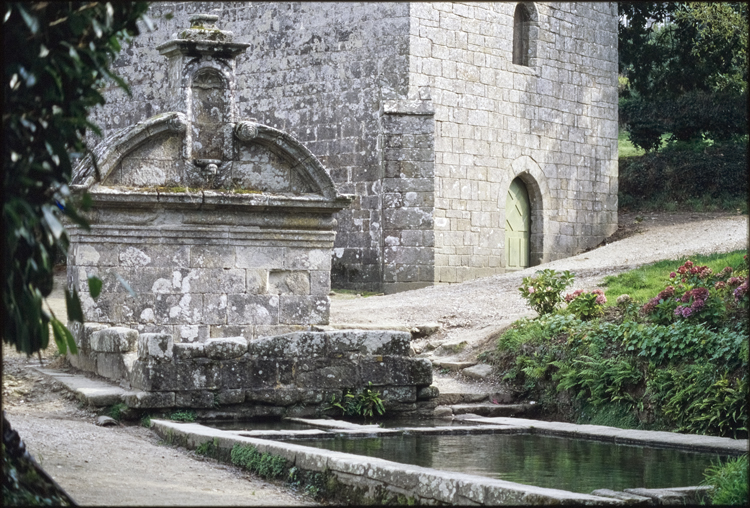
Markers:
575,465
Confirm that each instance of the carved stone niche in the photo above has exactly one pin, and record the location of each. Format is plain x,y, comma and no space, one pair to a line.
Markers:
205,225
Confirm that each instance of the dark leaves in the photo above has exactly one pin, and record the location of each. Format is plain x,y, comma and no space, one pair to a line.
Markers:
56,56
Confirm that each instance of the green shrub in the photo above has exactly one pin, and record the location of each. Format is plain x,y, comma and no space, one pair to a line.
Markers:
183,416
365,403
542,291
116,411
730,482
687,176
586,305
684,373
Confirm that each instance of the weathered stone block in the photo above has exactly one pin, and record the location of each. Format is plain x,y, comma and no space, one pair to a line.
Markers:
428,393
113,340
256,310
195,398
313,310
145,400
225,348
291,345
287,282
111,366
275,396
235,396
186,351
337,374
234,374
156,346
400,393
367,342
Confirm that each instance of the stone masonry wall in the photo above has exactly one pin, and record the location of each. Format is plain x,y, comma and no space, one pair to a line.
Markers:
316,70
201,283
554,123
408,194
324,73
294,374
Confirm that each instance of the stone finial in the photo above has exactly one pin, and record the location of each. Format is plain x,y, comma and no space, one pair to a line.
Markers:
199,21
203,28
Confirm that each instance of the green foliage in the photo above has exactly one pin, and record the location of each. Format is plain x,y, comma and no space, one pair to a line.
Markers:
586,305
183,416
644,282
670,48
23,485
542,291
56,57
729,481
679,175
146,421
691,117
365,403
116,411
686,372
264,464
209,448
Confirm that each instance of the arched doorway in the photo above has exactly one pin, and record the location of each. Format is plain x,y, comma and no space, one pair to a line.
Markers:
517,226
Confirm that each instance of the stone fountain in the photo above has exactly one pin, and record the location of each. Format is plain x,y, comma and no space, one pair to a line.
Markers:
213,235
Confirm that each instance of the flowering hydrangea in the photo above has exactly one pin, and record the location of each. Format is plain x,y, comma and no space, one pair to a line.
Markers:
741,291
623,299
667,293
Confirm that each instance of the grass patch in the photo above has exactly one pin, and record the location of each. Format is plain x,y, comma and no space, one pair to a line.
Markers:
729,481
627,149
645,282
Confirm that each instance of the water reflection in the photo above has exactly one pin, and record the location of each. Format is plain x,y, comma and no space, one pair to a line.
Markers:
569,464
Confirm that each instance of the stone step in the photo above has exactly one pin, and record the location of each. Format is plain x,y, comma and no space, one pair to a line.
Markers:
451,365
450,399
489,409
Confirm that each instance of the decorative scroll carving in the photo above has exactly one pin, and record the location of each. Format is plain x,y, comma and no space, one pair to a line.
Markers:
246,131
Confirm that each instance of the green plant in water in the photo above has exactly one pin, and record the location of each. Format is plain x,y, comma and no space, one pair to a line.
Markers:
730,482
183,416
366,403
542,291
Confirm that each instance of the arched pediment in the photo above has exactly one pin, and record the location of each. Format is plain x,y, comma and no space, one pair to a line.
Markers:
152,154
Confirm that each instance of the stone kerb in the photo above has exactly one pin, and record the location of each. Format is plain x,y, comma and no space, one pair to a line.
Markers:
375,479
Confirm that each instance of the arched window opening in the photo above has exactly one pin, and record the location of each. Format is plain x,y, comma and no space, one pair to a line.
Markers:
521,35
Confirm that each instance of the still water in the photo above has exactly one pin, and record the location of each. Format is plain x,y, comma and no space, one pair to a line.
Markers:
569,464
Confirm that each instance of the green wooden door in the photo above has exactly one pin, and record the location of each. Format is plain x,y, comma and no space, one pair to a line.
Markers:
517,226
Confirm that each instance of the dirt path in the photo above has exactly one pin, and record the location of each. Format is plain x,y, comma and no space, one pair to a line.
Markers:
474,311
120,466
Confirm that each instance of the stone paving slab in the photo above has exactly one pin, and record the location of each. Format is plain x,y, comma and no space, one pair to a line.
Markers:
626,436
491,410
94,392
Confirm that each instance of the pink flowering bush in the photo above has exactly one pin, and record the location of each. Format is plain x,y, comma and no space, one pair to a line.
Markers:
542,291
586,305
696,293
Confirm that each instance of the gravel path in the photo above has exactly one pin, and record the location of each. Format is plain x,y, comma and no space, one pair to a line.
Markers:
473,311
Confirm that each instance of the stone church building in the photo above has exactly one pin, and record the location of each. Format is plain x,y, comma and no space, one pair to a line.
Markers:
475,138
